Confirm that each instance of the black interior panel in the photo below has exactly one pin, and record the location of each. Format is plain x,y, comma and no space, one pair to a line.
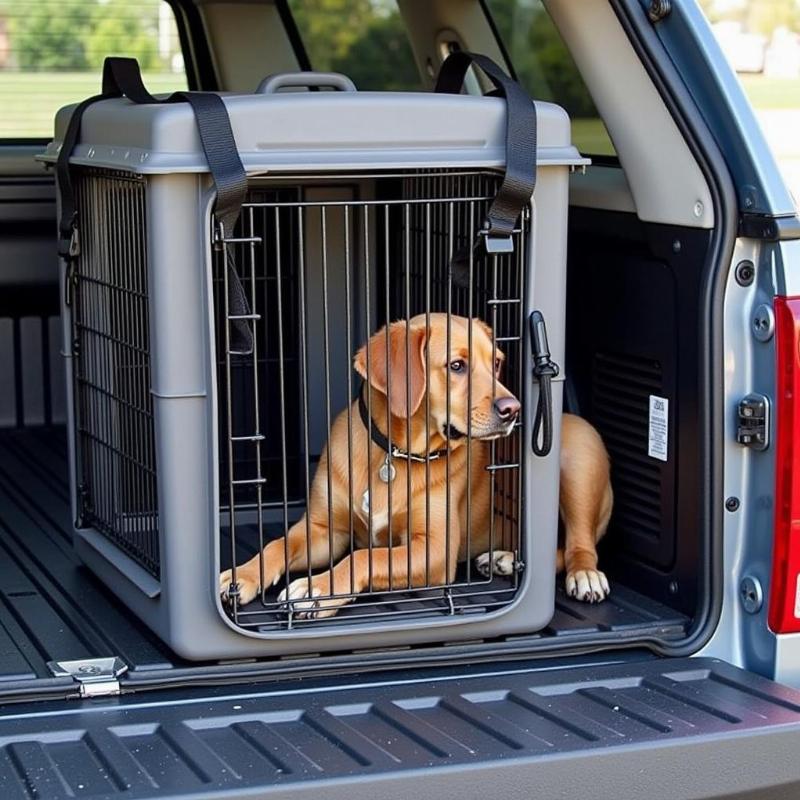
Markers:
632,332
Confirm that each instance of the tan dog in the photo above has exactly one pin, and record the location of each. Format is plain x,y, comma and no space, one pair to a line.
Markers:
410,549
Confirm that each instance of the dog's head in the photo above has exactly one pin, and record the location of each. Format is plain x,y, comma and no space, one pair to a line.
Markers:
404,360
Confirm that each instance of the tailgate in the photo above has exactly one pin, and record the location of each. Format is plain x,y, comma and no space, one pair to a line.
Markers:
655,728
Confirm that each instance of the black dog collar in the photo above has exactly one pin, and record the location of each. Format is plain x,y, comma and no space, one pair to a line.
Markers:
391,449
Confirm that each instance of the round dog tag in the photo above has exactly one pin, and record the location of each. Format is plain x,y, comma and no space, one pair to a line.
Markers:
387,472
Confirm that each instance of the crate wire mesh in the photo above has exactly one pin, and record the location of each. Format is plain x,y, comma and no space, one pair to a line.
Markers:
115,447
326,261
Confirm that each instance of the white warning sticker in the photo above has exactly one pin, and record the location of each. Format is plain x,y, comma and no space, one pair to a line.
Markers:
658,430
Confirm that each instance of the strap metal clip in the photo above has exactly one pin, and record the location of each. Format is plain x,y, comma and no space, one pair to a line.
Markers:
69,248
497,244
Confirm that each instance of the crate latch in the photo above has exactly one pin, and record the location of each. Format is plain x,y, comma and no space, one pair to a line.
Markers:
97,677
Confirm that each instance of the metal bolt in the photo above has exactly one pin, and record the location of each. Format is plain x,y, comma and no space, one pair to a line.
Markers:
763,323
658,10
698,209
751,594
676,246
745,272
732,504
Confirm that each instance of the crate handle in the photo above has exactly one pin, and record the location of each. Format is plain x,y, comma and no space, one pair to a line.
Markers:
282,80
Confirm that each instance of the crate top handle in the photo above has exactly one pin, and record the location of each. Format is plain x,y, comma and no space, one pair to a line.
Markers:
327,80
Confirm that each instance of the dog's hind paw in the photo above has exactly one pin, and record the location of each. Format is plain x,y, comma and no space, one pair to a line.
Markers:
496,562
588,585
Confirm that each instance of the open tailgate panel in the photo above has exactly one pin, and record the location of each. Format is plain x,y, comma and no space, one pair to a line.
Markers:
659,727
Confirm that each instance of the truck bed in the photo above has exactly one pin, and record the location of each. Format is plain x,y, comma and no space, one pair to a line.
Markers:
53,609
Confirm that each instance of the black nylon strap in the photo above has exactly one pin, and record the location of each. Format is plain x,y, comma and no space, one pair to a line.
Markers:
519,180
122,77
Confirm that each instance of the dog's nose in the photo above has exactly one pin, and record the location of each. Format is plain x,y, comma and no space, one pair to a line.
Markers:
507,408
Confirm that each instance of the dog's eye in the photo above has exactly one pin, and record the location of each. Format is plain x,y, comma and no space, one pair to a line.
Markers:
459,365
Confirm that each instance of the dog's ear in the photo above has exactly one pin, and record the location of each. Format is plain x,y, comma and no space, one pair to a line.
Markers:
483,326
390,350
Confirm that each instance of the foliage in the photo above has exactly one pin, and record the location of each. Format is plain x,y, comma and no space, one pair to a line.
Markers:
540,58
77,35
48,34
121,29
364,39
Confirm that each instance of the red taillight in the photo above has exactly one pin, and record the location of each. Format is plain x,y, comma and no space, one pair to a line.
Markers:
784,600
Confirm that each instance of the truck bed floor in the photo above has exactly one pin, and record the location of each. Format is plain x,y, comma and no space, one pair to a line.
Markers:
52,608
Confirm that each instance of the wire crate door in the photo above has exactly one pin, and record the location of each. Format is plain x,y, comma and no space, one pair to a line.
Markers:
328,264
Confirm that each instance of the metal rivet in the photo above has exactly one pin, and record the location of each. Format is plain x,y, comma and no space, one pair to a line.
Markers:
732,504
698,209
676,246
751,594
745,272
763,323
673,587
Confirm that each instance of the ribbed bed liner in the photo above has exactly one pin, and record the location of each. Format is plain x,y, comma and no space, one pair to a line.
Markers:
53,609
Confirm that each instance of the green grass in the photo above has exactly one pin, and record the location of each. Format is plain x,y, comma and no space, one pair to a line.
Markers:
29,100
591,138
771,92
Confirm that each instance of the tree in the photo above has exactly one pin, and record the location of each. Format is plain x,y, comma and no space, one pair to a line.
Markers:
79,34
114,36
381,58
541,60
329,28
48,34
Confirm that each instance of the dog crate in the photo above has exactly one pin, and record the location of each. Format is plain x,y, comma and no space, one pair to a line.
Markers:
206,371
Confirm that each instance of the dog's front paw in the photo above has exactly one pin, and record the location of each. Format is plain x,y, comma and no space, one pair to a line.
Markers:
312,599
247,585
588,585
496,562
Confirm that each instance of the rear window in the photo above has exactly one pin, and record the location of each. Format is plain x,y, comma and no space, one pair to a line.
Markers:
545,68
364,39
52,51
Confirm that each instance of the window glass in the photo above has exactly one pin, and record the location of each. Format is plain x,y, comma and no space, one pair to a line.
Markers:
52,51
364,39
545,68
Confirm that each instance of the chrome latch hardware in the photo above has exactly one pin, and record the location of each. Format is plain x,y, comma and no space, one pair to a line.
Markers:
97,677
752,428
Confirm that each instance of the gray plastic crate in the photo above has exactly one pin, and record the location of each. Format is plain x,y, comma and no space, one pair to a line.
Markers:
145,361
